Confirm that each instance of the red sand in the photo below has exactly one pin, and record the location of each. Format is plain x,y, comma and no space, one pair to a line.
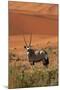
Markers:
32,17
38,41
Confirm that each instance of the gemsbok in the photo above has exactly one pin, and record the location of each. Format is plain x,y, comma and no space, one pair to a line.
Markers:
36,55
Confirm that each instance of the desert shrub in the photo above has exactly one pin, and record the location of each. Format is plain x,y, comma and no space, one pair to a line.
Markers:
22,74
33,78
13,56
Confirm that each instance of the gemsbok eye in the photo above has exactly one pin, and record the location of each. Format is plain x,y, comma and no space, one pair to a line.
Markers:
24,46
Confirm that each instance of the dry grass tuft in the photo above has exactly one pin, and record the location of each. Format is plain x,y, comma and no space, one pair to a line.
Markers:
22,74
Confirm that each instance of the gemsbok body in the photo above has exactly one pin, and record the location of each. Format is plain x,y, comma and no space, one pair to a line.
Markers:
36,55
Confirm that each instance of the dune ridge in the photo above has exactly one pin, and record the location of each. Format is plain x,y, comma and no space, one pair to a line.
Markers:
33,17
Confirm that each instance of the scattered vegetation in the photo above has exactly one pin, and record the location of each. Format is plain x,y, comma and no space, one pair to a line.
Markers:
20,77
22,74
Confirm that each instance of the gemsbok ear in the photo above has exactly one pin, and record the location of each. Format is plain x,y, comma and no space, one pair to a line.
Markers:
24,46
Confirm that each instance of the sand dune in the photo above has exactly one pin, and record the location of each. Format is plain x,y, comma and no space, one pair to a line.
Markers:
34,8
33,17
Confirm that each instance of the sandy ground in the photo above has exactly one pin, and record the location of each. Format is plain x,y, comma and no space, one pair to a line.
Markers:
38,41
